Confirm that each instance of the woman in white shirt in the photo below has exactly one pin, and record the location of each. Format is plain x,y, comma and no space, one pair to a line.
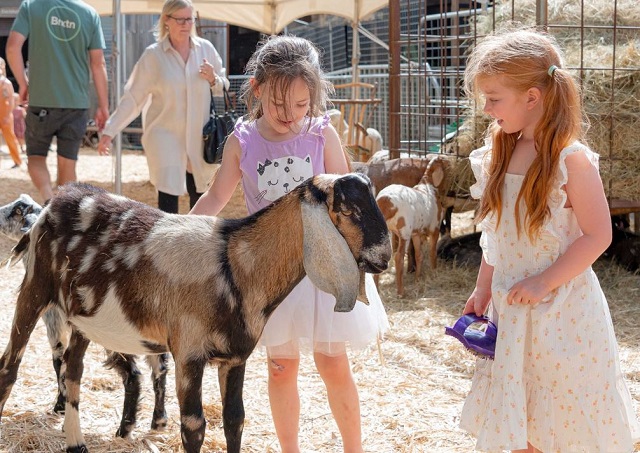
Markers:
171,84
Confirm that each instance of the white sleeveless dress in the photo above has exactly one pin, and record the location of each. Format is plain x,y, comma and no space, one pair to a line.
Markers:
556,379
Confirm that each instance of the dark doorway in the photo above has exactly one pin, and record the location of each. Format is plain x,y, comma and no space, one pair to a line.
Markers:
242,43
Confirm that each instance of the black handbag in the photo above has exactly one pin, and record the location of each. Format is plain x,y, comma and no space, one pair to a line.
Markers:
217,129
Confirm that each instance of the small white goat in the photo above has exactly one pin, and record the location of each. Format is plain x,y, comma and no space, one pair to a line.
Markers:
140,281
339,123
16,218
373,140
412,213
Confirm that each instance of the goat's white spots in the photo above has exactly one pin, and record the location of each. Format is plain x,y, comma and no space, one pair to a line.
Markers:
119,198
124,219
118,251
110,319
64,301
53,246
110,265
87,213
220,285
132,255
105,238
191,422
86,263
73,242
87,297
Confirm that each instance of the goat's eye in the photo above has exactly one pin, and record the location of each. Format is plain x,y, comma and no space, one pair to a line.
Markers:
18,211
347,212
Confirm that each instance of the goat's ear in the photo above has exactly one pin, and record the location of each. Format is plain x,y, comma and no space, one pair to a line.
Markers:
436,168
327,258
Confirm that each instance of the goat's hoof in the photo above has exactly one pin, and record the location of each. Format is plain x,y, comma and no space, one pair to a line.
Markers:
125,430
59,407
78,449
159,424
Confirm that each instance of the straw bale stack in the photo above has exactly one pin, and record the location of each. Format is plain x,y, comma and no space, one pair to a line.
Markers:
611,98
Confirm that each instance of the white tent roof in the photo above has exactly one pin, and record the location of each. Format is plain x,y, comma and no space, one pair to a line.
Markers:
267,16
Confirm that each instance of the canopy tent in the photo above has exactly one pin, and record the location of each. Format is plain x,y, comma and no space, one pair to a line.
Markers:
267,16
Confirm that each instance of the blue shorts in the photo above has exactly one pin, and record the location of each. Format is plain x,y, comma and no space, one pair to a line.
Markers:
67,125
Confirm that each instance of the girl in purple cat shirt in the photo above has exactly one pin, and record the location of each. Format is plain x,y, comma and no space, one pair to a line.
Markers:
284,139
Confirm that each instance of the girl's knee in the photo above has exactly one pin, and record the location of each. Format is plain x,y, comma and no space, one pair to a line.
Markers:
282,370
333,367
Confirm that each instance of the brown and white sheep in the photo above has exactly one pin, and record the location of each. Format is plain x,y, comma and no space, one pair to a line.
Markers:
16,218
414,213
140,281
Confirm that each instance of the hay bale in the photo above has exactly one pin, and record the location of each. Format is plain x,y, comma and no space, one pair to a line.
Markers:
610,97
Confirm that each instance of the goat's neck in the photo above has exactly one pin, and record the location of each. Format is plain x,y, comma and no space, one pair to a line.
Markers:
266,255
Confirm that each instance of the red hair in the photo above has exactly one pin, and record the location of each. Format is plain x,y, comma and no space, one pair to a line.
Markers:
527,59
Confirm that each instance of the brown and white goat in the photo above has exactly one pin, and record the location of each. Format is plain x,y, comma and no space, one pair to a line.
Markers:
412,213
140,281
16,218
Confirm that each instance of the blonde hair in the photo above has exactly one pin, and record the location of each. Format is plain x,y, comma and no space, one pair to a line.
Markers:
526,59
171,6
278,61
3,67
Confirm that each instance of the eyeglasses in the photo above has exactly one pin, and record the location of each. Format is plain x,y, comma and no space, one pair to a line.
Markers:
182,20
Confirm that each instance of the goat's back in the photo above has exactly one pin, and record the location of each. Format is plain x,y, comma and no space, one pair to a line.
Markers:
406,171
407,210
104,255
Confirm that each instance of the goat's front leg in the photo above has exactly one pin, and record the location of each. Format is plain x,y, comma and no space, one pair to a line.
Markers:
72,368
416,243
28,311
125,366
231,380
189,389
58,336
159,365
433,248
399,258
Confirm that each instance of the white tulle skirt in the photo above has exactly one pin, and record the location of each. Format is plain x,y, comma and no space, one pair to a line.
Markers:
305,321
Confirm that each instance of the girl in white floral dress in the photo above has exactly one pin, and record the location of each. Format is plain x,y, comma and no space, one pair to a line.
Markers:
555,384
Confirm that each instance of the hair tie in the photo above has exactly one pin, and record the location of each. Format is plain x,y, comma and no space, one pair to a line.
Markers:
551,70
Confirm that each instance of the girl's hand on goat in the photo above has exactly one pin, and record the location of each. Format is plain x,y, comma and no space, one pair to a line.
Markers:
530,291
478,301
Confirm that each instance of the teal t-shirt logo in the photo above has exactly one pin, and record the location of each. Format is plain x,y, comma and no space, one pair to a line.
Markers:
63,23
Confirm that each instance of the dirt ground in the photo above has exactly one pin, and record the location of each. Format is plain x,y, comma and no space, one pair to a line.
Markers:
412,385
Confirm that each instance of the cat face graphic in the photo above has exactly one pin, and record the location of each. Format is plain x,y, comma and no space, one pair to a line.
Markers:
280,176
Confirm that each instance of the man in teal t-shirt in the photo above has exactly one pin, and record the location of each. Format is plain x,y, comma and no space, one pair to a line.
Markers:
65,48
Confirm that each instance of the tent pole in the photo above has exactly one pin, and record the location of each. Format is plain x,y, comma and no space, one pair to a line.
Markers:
118,21
355,54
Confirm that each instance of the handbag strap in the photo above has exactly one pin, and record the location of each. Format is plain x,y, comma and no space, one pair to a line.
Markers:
227,99
212,107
